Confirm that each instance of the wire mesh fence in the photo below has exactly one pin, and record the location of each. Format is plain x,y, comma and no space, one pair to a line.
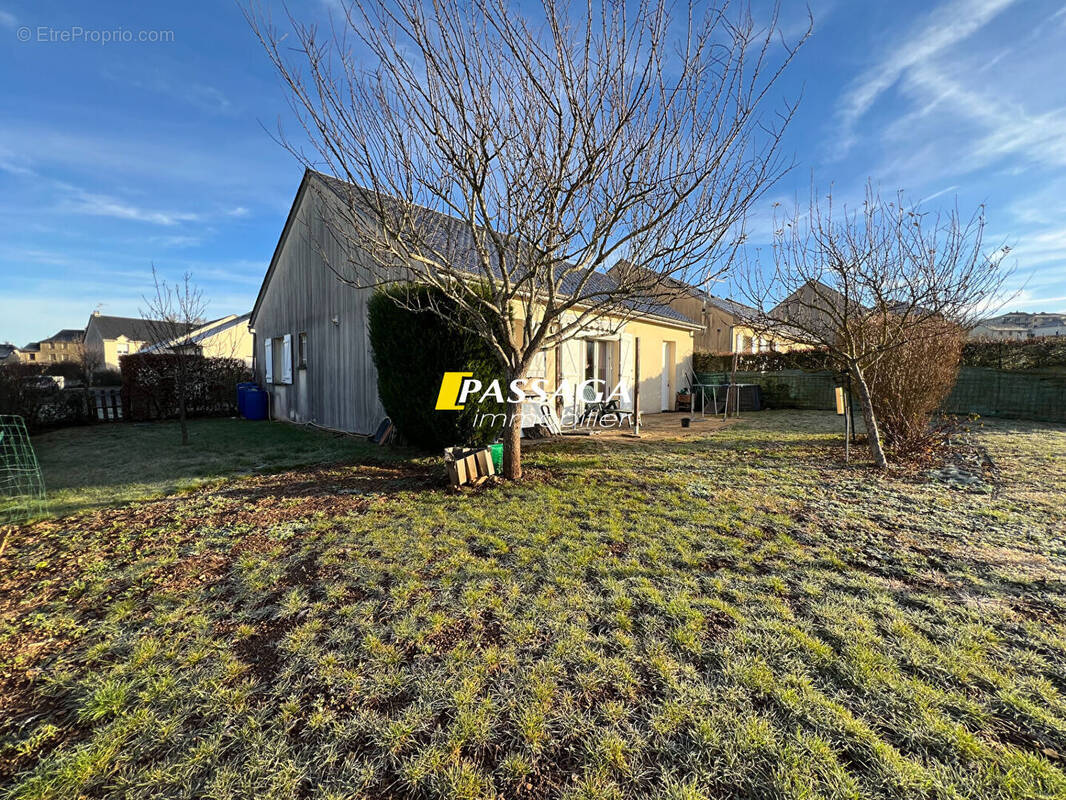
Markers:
21,485
978,390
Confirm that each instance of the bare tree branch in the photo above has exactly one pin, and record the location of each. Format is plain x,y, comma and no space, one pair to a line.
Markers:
559,144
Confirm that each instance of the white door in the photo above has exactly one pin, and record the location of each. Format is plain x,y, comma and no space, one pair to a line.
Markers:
664,377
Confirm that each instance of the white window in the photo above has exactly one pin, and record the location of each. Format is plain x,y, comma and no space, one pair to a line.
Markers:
122,348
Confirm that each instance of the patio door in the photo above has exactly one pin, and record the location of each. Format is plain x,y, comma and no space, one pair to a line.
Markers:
598,364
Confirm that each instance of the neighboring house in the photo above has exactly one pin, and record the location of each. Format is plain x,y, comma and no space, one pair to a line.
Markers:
1050,329
812,307
1020,325
313,354
226,337
985,331
9,354
110,338
726,326
31,353
63,346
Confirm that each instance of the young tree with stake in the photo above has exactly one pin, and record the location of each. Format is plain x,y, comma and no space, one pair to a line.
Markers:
171,313
861,283
560,143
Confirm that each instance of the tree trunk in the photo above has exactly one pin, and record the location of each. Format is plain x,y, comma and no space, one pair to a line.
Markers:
181,416
873,433
512,443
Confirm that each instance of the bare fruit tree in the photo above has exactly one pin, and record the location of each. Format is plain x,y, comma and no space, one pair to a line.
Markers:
171,313
557,141
862,283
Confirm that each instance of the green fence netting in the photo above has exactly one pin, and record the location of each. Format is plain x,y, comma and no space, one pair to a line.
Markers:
978,390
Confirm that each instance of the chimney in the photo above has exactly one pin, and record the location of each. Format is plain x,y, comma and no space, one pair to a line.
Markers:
96,313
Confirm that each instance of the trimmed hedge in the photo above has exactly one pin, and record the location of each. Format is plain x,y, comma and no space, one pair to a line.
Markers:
26,390
1042,353
808,360
148,386
412,350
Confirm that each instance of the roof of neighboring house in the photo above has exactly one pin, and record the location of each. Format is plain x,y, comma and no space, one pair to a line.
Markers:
206,330
454,236
6,349
32,347
133,328
67,335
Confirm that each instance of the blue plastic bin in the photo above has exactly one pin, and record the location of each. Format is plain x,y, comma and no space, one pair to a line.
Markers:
255,404
243,387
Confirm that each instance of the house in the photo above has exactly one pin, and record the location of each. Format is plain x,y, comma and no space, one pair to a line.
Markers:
1018,325
986,331
62,346
110,338
226,337
313,355
9,354
726,326
29,354
1050,329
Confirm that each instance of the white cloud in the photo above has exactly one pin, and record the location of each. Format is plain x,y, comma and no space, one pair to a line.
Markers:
7,19
102,205
940,30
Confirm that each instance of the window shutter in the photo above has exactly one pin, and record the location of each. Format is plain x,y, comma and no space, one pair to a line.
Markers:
626,369
286,359
268,358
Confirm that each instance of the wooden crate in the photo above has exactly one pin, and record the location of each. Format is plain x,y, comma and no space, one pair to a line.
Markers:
467,465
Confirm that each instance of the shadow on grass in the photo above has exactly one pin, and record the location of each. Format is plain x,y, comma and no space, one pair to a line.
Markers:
113,464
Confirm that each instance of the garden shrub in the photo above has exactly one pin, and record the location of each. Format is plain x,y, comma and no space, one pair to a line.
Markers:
1048,352
148,386
29,392
412,349
811,360
910,382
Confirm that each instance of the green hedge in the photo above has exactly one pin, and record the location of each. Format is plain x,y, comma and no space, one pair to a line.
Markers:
1043,353
412,350
812,360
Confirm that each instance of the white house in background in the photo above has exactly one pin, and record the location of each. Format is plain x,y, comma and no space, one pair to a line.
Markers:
113,337
1000,332
226,337
1050,329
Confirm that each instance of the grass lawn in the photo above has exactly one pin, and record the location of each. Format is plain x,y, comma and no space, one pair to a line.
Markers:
732,615
106,465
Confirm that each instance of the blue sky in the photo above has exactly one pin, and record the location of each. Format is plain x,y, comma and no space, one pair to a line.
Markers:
115,156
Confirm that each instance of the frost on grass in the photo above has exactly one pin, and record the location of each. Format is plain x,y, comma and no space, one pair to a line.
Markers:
738,614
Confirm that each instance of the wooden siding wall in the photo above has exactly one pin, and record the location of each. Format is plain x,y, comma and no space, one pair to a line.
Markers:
338,388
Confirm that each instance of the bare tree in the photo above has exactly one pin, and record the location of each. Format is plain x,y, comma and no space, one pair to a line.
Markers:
556,145
861,283
91,361
172,313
